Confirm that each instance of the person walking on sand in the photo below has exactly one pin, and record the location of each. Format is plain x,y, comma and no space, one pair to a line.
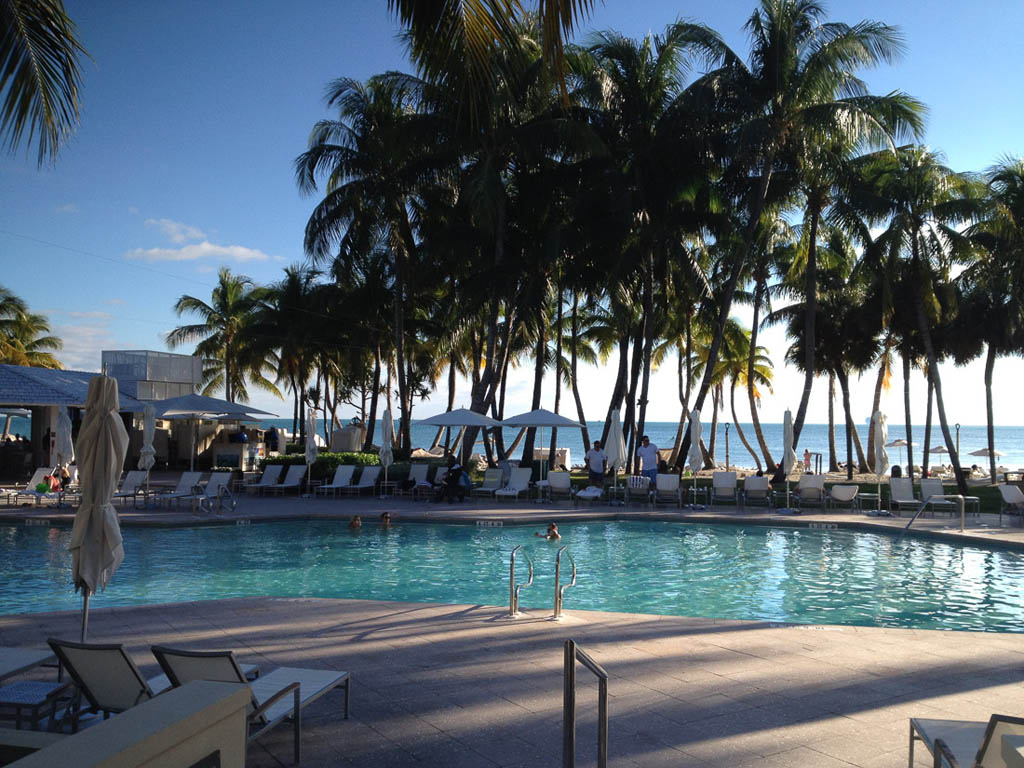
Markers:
597,464
807,459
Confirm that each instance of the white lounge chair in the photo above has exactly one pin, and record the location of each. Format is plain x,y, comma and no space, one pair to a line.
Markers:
843,495
666,488
29,489
491,483
1011,502
723,488
518,482
810,490
417,483
277,697
271,474
185,489
342,480
963,743
638,487
367,481
901,494
292,480
130,485
559,486
757,490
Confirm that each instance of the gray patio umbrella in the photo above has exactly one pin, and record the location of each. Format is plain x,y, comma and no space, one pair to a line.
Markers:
387,458
65,448
983,452
881,455
147,456
201,407
615,450
695,457
460,417
788,453
96,549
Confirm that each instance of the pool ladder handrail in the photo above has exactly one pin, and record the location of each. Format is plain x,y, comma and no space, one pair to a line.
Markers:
559,587
573,654
925,502
513,588
221,493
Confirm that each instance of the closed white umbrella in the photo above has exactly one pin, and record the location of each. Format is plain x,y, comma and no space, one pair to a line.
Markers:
96,548
695,458
387,458
65,448
147,456
881,455
310,446
788,453
615,450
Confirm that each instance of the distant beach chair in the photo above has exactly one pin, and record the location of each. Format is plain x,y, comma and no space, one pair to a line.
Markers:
757,490
367,482
130,485
965,743
292,480
810,490
901,494
723,488
1011,503
559,485
843,495
271,473
342,480
518,483
666,488
491,483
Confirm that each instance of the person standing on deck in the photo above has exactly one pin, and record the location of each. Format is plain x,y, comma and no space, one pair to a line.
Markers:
597,464
647,453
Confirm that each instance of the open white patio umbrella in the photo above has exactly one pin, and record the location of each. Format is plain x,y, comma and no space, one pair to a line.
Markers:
387,458
65,448
309,448
615,450
147,456
695,458
788,453
539,419
96,549
881,455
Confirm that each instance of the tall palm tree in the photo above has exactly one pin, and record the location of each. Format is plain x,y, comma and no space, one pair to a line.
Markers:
25,337
231,307
39,76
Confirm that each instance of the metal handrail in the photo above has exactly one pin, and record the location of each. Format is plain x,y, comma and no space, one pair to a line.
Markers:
513,588
559,587
925,502
572,655
225,491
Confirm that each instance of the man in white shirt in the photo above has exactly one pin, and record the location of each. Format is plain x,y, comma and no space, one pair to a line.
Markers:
647,453
597,464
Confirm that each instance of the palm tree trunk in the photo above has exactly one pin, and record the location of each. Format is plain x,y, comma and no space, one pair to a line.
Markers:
634,376
538,384
906,413
228,394
862,464
648,341
925,468
619,391
572,377
844,385
990,430
558,368
711,461
833,462
810,315
673,460
739,430
759,290
371,421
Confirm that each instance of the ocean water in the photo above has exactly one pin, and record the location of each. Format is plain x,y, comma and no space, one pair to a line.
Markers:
1009,440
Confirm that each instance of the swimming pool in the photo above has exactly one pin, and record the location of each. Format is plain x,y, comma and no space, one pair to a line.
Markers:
721,571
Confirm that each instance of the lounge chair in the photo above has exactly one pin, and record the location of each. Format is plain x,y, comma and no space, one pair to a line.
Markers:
185,489
271,474
966,743
723,488
559,485
1011,502
757,490
342,480
29,489
844,495
131,484
292,480
491,483
367,481
639,487
810,490
666,488
901,494
932,486
278,696
417,484
518,482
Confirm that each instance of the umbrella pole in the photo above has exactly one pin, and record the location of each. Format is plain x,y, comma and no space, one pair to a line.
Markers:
85,612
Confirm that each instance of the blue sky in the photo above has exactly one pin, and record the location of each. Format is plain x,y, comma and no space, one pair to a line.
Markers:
193,114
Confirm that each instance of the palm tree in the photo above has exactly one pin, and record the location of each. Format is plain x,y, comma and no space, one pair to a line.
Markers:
25,337
40,76
232,304
800,89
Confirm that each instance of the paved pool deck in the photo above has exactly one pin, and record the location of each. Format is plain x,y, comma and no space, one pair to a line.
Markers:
463,686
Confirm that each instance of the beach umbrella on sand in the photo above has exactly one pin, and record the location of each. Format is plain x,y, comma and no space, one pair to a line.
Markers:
695,457
147,456
881,455
788,454
615,450
983,452
901,444
309,446
96,549
387,458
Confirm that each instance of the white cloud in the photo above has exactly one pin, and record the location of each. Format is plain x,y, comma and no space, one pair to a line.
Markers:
175,231
83,344
67,208
115,302
195,251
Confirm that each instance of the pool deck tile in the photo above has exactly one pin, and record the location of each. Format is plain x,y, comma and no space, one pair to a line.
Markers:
459,686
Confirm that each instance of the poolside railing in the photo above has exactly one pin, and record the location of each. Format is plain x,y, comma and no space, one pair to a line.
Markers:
572,655
513,588
559,587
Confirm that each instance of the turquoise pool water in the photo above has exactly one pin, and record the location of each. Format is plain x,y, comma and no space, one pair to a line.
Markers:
723,571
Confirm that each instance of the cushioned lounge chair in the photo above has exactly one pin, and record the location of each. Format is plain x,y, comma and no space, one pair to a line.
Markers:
292,480
367,481
271,474
666,489
901,494
491,483
560,486
1011,502
638,487
723,488
810,490
277,697
932,486
966,743
518,483
757,490
342,480
843,496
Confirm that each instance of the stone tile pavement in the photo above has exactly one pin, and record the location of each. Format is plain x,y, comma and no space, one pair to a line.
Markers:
444,685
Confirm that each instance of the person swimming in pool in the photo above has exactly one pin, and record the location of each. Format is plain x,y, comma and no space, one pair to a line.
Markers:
552,533
356,522
385,520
